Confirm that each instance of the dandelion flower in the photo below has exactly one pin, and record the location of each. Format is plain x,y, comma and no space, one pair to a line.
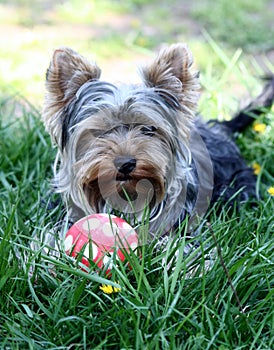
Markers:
259,127
271,191
256,168
106,288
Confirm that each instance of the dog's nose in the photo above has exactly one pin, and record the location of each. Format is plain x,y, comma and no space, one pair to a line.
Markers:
125,165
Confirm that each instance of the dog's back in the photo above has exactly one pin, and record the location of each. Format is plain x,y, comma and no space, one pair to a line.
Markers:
258,106
233,179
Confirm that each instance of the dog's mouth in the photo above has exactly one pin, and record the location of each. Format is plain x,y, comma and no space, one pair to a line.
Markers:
123,177
125,192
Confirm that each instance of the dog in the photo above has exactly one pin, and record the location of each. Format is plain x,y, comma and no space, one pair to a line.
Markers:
134,149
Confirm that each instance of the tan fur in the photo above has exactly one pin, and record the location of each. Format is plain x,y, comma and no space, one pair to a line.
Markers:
171,70
67,72
97,175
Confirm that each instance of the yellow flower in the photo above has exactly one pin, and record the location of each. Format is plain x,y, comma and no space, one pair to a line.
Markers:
259,127
271,191
256,168
106,288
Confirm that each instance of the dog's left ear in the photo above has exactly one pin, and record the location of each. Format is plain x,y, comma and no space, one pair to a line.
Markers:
171,72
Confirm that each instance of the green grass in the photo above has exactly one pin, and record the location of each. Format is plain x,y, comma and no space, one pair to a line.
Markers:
243,23
51,303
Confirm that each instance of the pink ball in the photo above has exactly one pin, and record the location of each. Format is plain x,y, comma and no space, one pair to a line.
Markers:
98,237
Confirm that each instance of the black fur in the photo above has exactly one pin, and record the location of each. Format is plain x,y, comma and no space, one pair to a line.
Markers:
232,177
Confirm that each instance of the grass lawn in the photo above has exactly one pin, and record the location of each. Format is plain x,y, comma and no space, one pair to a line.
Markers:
162,302
52,304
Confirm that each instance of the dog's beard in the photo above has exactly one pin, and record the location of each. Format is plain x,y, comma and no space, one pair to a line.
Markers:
96,184
106,187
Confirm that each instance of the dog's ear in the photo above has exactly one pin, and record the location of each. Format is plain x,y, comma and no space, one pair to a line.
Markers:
67,72
171,72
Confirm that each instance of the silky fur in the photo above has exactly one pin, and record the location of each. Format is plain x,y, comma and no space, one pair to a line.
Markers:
175,164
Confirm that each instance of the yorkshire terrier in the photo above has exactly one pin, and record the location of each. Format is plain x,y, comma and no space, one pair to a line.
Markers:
130,149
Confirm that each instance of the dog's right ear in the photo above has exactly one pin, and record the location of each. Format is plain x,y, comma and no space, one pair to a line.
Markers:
67,72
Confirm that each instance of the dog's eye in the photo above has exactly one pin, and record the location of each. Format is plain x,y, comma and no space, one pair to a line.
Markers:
148,130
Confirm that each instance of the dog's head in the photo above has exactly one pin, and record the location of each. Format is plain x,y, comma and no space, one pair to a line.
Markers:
119,145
